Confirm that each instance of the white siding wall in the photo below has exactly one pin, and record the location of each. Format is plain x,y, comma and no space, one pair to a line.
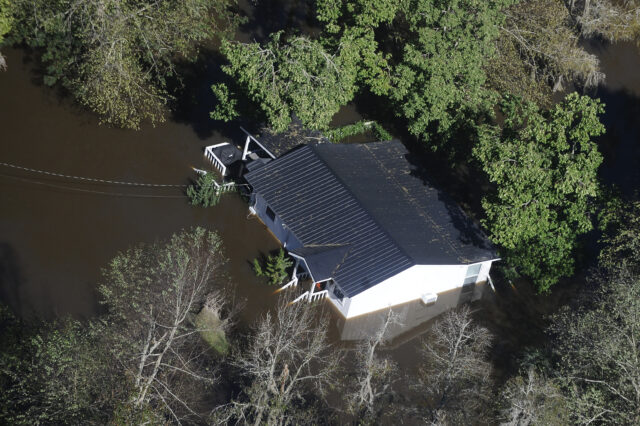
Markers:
409,285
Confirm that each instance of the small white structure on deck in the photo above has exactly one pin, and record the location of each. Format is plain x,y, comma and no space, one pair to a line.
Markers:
367,227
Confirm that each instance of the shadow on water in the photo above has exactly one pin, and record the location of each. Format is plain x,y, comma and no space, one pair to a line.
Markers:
11,276
269,16
620,145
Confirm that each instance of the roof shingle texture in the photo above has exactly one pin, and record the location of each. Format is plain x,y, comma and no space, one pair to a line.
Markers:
367,199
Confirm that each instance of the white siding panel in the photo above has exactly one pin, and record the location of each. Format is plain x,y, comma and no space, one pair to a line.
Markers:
410,284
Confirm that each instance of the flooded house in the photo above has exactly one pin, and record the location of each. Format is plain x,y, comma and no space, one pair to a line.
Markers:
365,225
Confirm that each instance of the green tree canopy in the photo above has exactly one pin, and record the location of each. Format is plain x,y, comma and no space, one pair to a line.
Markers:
116,56
296,75
6,20
544,165
424,58
598,352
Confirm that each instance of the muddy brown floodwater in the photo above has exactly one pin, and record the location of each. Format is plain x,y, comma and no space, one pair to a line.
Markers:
56,234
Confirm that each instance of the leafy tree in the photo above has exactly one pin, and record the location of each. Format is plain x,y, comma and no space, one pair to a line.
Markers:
275,268
599,357
206,192
424,58
296,75
6,21
621,238
544,165
53,373
152,294
116,57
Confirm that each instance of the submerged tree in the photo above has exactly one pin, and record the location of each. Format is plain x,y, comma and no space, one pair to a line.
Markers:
275,267
368,396
538,51
287,364
116,57
54,373
532,399
152,294
455,379
598,351
544,164
609,19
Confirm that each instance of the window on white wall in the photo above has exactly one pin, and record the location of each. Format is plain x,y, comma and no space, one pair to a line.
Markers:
472,274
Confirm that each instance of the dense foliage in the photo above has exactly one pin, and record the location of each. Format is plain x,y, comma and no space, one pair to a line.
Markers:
141,361
544,165
293,76
274,267
429,67
117,57
206,191
6,21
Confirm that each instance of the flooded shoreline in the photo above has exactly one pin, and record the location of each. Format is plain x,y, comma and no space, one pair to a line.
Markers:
56,233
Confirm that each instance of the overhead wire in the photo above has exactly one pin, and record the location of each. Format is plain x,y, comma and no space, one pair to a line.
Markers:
67,188
88,179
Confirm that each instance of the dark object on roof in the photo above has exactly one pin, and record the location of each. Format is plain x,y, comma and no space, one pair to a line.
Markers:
368,197
256,164
280,143
228,154
323,261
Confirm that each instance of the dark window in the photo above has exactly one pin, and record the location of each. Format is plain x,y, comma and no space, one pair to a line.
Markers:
339,295
271,214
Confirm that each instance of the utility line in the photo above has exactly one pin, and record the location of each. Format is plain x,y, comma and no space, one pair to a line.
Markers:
115,194
88,179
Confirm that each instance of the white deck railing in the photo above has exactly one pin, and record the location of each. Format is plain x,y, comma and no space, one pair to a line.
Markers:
292,283
217,163
317,295
303,296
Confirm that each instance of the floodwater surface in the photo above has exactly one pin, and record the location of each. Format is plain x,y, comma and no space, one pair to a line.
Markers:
56,233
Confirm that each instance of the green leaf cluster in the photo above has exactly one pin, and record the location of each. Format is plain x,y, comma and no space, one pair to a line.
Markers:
544,165
52,373
5,18
206,192
424,58
288,76
597,350
117,57
274,269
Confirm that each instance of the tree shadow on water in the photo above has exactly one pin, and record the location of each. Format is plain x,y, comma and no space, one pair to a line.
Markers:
11,278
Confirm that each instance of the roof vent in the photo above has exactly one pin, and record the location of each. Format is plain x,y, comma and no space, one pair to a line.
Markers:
429,298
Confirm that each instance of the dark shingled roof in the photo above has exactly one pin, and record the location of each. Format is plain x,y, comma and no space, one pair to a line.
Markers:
323,261
367,199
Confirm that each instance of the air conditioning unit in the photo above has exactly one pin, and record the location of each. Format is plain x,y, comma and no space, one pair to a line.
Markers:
429,298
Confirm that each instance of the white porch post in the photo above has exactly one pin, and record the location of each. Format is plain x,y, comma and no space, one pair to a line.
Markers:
295,269
313,285
246,148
